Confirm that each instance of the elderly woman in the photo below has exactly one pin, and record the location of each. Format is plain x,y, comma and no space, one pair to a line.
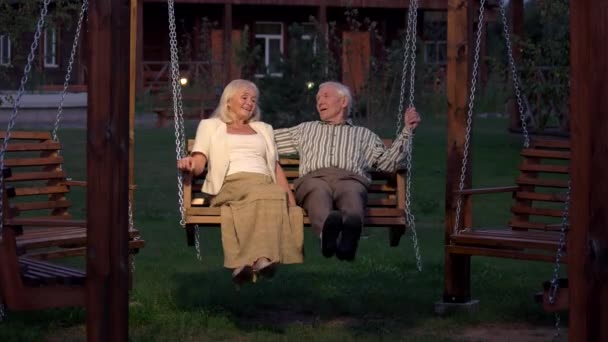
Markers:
248,183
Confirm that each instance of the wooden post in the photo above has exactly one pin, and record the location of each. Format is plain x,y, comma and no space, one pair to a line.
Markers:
107,171
322,13
457,267
588,237
227,42
516,19
140,47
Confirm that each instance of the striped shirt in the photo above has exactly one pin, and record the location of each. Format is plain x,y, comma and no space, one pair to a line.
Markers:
345,146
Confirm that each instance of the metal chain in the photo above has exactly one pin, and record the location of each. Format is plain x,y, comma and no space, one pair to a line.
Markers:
17,102
68,75
559,255
409,51
177,107
178,114
414,23
197,242
514,74
406,52
137,237
467,140
2,311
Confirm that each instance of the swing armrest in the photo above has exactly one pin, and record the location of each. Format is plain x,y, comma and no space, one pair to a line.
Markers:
483,191
70,182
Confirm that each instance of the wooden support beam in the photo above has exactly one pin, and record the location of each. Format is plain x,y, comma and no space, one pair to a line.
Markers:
139,85
322,13
460,19
107,170
588,237
227,42
516,21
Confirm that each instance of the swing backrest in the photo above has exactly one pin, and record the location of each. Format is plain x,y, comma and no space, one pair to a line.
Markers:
37,177
542,185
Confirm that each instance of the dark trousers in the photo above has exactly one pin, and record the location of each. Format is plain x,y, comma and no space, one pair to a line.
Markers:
324,190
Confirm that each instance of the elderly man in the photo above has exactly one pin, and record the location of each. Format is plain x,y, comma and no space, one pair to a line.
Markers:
335,158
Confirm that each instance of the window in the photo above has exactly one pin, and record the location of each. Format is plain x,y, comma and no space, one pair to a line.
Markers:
5,50
50,48
269,36
435,52
434,35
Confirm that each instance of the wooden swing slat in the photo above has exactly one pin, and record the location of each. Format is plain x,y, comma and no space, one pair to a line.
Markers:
45,190
533,225
564,169
507,238
551,183
537,196
501,253
27,135
53,221
546,154
31,176
18,162
551,143
33,147
519,209
41,205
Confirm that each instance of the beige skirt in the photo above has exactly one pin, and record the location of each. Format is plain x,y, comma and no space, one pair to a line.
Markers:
256,221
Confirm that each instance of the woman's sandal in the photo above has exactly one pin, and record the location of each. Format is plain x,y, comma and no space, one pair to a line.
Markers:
242,275
265,268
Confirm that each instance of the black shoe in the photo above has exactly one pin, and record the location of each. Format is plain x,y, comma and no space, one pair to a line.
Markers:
329,236
351,233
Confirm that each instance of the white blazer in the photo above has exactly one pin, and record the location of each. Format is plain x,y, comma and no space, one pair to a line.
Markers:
212,141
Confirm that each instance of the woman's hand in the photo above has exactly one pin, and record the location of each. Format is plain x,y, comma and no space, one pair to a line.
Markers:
186,164
291,200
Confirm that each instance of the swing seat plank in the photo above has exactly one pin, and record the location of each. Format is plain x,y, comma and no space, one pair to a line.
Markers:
385,207
537,209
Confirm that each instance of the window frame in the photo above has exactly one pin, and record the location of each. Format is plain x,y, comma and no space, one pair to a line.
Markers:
54,44
435,45
267,38
8,53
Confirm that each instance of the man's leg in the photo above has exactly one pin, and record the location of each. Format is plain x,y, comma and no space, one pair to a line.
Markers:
315,195
350,197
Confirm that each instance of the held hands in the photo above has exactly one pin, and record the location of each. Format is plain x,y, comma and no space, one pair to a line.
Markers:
411,119
186,164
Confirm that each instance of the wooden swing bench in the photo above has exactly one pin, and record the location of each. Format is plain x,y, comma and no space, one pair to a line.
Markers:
37,203
28,284
533,232
385,207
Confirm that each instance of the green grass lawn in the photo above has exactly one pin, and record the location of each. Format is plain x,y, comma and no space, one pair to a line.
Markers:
379,297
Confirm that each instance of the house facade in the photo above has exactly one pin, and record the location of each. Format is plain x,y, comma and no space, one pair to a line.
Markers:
221,40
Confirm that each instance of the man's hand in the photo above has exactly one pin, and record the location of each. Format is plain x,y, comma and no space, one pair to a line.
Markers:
186,164
411,118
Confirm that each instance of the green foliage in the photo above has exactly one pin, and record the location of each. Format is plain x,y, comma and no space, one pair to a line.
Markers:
290,99
546,71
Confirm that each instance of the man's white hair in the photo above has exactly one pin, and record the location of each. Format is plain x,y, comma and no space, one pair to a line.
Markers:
343,91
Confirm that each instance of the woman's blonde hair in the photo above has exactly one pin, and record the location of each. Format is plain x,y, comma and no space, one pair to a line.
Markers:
223,113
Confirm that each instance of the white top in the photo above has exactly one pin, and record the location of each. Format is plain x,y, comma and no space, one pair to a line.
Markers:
212,141
247,154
